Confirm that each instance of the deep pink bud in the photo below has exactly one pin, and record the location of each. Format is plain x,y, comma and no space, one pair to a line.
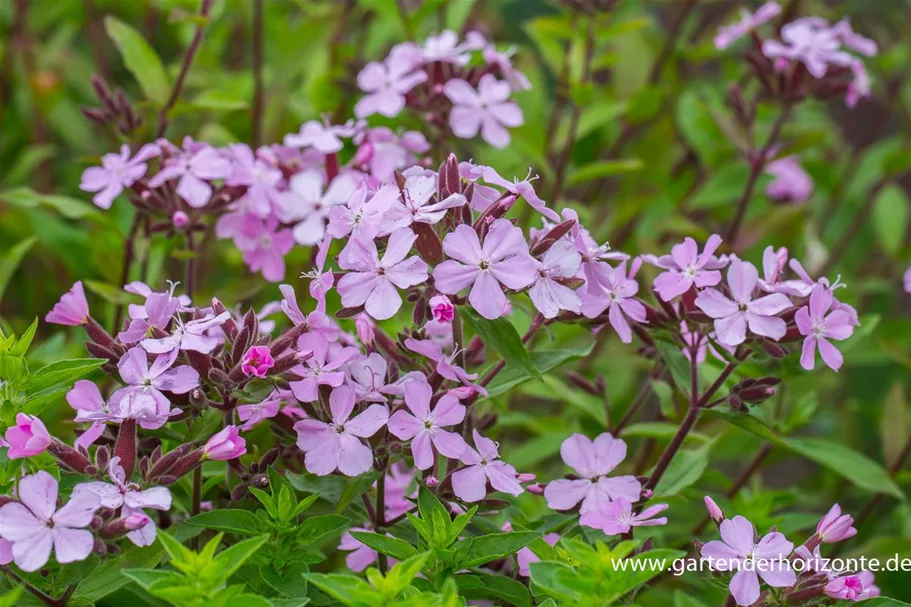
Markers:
180,220
366,329
835,526
27,438
431,481
364,153
225,445
525,477
441,308
536,489
714,511
257,361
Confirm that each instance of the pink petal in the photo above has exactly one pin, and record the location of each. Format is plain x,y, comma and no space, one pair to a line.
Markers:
470,483
354,457
487,297
72,545
564,494
369,422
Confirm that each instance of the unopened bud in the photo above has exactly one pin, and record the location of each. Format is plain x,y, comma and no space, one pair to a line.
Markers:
714,511
180,220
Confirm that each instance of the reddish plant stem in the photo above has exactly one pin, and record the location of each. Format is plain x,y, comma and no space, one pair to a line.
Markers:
257,52
184,67
42,596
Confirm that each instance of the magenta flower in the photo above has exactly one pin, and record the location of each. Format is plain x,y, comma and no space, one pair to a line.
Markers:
34,525
227,444
128,496
143,399
317,135
337,445
502,260
308,204
487,110
264,247
192,335
360,217
321,369
854,587
117,171
27,438
548,294
441,308
266,409
445,367
261,180
416,206
592,461
72,310
157,312
835,526
810,41
194,169
614,518
482,466
687,267
387,83
424,428
257,361
819,325
733,315
768,558
616,293
791,182
372,281
728,34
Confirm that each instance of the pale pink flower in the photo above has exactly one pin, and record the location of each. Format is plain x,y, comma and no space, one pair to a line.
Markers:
444,47
257,361
561,261
503,60
263,196
733,315
310,206
617,517
117,171
34,525
27,438
360,556
89,436
773,263
317,135
337,445
192,335
853,40
592,461
143,399
194,169
791,182
853,587
769,556
127,495
713,509
416,204
156,313
445,364
906,280
264,247
686,267
487,110
502,260
483,466
859,87
367,375
321,282
728,34
227,444
523,189
811,42
321,369
384,152
615,292
835,526
362,217
72,310
266,409
373,282
819,325
441,308
387,83
424,428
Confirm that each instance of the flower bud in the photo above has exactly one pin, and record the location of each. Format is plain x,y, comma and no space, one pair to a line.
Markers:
535,489
714,511
27,438
525,477
431,481
257,361
225,445
835,526
442,309
180,220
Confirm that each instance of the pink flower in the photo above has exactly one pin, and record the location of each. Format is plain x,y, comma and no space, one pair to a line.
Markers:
227,444
264,247
257,361
317,135
194,169
361,217
854,587
444,47
835,526
733,316
487,110
35,526
522,188
321,369
360,556
853,40
773,263
748,22
90,435
502,260
548,294
372,281
614,518
592,461
308,204
156,313
117,171
470,483
687,267
367,376
714,511
416,204
337,445
262,181
192,335
424,428
27,438
819,325
906,280
257,412
128,496
441,308
143,399
387,83
385,152
525,557
860,86
445,366
769,556
616,293
72,310
811,42
791,183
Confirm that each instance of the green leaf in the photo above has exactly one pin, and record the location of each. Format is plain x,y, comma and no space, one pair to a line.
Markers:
219,100
677,364
885,602
502,335
230,559
11,259
316,527
289,580
685,469
110,293
356,486
723,187
140,59
745,422
603,168
476,551
890,218
62,372
346,588
851,465
71,208
147,577
681,599
482,586
25,340
239,522
392,546
544,361
400,576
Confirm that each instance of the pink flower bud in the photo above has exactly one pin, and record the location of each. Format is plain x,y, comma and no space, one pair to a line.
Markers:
431,481
536,489
525,477
135,521
180,220
366,329
442,308
303,355
257,361
72,310
225,445
364,153
27,438
835,526
714,511
462,392
855,587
